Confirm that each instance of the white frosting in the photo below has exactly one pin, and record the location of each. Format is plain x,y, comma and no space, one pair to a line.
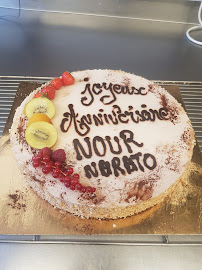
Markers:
161,138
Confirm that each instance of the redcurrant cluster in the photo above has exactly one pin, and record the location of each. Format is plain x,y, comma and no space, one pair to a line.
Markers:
65,175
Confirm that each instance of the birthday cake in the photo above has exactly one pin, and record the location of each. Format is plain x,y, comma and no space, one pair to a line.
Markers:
102,143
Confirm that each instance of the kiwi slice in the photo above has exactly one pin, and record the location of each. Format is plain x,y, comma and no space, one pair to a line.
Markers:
40,105
41,134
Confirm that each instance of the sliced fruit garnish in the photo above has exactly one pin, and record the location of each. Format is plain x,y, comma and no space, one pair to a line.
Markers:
38,95
49,91
40,105
67,78
41,134
38,117
57,83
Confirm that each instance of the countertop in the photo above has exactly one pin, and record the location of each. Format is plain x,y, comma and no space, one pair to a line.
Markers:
39,43
47,43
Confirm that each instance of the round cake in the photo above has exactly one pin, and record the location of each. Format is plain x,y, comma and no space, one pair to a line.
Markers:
126,137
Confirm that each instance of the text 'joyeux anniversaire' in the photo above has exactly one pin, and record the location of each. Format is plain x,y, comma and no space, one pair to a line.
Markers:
99,145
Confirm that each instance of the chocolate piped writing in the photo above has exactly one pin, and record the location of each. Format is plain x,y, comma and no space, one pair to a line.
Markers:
82,124
111,89
99,146
99,153
127,137
124,142
120,166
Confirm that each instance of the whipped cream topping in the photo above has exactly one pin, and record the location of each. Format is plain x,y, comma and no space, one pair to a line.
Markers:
123,134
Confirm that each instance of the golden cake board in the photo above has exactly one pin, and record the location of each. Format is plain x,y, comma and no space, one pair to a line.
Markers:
23,212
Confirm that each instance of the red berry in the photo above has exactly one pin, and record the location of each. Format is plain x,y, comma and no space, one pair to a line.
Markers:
57,164
67,178
78,186
62,178
46,151
83,189
63,169
46,159
76,176
56,83
38,95
93,189
67,184
39,156
56,170
89,189
56,173
45,170
70,170
49,91
67,78
72,187
36,158
59,155
74,182
36,163
49,165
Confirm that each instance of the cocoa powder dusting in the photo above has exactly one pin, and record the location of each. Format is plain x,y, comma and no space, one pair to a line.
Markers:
92,197
126,81
20,134
172,161
37,180
151,88
187,138
173,114
173,110
140,191
17,201
98,200
164,101
14,197
21,131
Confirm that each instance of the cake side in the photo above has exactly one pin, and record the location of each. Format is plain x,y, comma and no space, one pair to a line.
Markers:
92,211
